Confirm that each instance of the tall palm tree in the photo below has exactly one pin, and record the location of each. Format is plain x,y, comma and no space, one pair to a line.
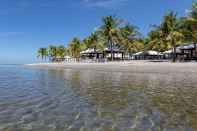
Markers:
129,39
191,26
68,51
172,33
109,31
156,40
95,42
84,44
61,51
43,53
52,50
168,34
87,43
75,47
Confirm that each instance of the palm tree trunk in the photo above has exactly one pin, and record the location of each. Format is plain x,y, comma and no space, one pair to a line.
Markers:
111,48
123,56
195,51
174,54
77,59
95,52
174,51
42,57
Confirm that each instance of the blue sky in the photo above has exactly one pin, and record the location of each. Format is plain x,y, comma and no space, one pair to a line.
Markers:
26,25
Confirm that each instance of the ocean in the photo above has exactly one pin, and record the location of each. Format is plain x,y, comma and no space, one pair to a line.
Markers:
49,99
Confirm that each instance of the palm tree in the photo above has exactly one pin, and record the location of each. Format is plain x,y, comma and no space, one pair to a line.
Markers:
87,43
171,31
156,41
190,25
110,31
84,44
67,51
130,41
75,47
53,52
43,53
95,42
167,35
61,51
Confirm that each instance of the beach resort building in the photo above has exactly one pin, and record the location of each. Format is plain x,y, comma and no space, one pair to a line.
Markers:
188,52
92,54
185,52
147,55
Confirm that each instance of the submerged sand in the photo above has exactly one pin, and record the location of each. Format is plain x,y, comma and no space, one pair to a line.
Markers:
128,66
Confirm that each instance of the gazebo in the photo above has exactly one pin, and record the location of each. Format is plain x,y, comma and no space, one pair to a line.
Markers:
117,53
183,52
91,54
147,55
188,51
169,53
138,56
102,54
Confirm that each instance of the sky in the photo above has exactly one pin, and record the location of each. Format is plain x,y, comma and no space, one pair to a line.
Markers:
26,25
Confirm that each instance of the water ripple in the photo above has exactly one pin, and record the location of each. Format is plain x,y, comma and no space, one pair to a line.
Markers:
89,100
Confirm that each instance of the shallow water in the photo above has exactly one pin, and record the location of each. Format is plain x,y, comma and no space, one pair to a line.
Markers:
38,99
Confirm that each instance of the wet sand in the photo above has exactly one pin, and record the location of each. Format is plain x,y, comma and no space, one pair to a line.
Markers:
128,66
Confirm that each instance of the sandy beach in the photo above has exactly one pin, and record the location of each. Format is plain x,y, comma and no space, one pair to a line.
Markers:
131,66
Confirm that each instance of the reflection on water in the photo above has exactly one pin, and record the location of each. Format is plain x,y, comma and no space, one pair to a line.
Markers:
88,100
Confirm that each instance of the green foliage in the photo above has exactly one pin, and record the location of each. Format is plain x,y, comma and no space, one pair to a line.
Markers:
167,35
75,47
130,41
110,31
52,52
61,51
93,41
43,53
190,24
114,33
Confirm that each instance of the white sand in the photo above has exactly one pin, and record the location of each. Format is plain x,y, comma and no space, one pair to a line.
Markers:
128,66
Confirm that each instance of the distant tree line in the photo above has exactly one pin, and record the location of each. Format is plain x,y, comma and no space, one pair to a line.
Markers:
116,33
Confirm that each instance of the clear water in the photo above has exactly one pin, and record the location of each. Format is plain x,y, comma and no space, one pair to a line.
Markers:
38,99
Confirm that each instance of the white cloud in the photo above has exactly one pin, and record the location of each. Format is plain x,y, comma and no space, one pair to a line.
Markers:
28,4
22,5
187,11
105,3
7,34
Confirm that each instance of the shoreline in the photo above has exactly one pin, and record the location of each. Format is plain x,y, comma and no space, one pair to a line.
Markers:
125,66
